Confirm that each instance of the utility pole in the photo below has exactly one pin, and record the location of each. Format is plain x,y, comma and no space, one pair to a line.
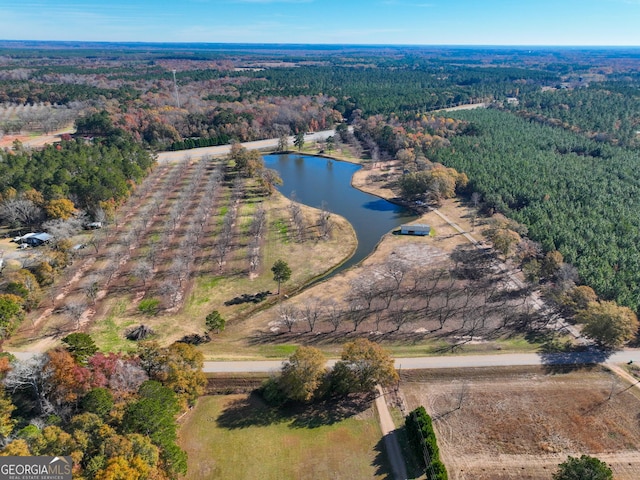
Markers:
175,87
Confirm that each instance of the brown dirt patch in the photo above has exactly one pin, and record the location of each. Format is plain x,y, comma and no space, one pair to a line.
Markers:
522,422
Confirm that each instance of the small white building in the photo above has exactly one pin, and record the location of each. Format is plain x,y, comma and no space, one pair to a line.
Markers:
419,229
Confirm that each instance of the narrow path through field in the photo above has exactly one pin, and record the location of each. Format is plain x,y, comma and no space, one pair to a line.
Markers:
624,375
390,436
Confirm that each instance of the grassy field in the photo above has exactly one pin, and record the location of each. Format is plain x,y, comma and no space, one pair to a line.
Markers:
236,436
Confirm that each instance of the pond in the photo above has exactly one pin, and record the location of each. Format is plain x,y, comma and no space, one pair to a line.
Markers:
314,180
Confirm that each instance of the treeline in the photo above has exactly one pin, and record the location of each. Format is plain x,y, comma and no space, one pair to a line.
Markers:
575,195
189,143
28,92
114,414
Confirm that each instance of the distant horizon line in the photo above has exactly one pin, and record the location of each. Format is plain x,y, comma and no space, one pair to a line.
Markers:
293,44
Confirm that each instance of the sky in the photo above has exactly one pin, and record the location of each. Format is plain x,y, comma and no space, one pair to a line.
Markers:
388,22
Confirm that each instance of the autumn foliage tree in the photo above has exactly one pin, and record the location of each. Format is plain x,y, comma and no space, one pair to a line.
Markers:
60,208
178,367
608,323
302,374
363,364
435,183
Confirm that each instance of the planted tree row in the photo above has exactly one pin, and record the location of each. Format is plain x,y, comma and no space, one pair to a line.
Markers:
469,300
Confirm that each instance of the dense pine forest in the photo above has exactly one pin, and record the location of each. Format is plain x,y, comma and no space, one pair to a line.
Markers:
576,195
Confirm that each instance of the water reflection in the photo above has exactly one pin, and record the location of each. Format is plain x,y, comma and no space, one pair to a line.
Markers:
317,180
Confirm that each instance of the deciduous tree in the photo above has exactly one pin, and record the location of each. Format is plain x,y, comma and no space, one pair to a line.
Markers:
608,323
302,374
363,364
60,208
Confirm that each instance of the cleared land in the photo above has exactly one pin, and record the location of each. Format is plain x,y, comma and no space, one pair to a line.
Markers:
521,422
237,436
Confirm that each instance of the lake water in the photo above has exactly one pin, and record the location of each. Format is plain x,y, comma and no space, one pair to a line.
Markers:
316,180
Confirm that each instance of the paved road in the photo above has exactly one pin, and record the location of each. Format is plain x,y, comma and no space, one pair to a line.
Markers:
198,153
443,361
452,361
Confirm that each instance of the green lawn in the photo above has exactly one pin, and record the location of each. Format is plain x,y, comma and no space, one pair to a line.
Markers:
236,436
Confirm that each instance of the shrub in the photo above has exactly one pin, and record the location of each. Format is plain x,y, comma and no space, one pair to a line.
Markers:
422,436
149,306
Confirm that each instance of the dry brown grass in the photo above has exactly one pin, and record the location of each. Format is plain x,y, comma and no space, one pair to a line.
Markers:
519,422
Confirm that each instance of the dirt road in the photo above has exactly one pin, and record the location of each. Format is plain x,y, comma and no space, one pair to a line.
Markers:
390,436
38,141
538,304
198,153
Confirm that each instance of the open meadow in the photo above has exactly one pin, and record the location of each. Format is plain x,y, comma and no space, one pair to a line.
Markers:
237,436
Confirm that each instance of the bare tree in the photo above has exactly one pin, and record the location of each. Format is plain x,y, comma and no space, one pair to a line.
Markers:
396,270
253,254
96,241
312,310
178,269
357,314
29,375
91,288
63,229
110,268
258,223
75,310
297,219
220,249
335,316
21,212
325,224
363,290
143,270
289,315
399,314
169,290
153,253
